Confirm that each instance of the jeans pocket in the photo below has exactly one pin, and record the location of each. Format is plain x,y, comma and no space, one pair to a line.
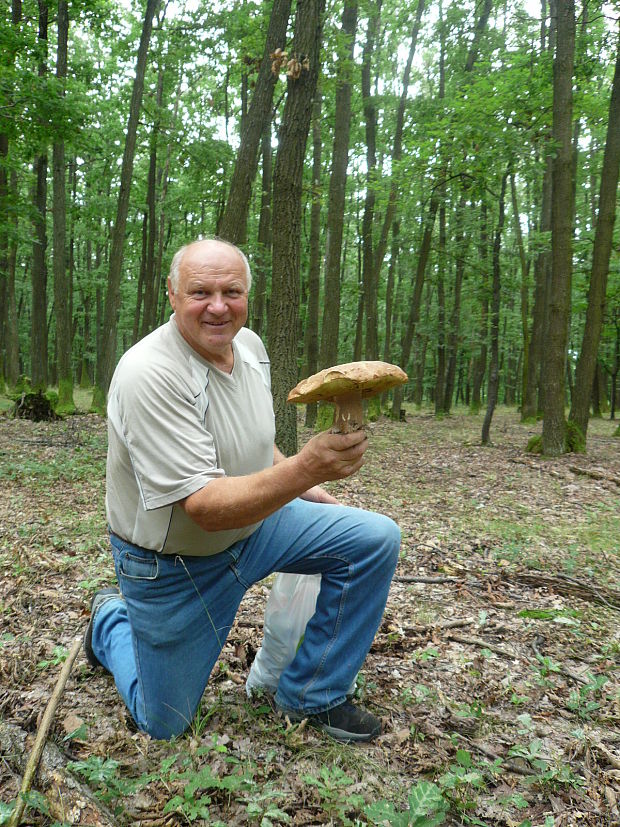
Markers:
143,567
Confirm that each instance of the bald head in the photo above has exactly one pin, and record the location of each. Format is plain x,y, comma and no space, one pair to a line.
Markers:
209,246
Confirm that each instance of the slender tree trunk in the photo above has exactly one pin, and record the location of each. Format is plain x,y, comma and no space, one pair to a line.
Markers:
440,377
397,148
38,338
371,346
107,360
493,386
586,364
149,317
389,291
287,193
233,224
314,269
330,330
263,254
455,316
12,330
61,281
524,282
554,360
480,360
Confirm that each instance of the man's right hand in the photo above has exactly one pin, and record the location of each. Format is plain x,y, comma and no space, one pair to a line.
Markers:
328,456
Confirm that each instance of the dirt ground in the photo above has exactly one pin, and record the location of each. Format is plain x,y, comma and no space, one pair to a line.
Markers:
495,669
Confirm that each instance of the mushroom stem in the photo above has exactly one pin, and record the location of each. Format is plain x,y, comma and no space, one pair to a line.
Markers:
349,413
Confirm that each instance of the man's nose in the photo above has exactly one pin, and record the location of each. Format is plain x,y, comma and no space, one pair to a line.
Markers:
216,303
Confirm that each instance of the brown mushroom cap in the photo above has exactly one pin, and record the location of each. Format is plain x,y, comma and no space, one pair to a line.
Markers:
367,378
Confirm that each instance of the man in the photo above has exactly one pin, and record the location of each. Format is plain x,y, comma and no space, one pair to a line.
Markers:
201,505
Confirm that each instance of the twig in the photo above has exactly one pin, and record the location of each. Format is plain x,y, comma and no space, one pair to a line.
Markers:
37,749
613,760
476,641
406,578
431,627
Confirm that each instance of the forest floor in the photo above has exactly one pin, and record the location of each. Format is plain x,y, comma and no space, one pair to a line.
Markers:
495,669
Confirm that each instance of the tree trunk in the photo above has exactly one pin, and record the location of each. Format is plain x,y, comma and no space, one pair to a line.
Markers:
330,330
12,329
233,224
493,385
38,338
61,281
371,345
107,360
554,359
287,194
314,269
524,282
455,316
480,360
586,364
149,316
440,376
263,254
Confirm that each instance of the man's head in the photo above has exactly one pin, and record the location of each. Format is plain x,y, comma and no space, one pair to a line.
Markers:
208,289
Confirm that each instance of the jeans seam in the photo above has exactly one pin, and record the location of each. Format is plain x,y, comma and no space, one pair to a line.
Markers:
341,606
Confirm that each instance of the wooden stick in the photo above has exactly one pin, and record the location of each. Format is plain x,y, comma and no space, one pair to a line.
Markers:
46,722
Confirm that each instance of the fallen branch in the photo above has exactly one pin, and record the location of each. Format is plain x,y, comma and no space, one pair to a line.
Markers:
612,759
432,627
406,578
594,474
37,750
483,644
562,584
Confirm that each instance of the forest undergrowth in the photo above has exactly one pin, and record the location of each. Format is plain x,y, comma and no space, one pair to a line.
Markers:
495,669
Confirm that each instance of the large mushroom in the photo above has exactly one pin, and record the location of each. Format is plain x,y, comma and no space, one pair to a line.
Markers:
346,386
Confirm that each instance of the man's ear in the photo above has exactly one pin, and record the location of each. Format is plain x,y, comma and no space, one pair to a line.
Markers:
171,295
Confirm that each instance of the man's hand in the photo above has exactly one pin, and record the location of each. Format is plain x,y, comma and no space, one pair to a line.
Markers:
316,494
330,456
234,502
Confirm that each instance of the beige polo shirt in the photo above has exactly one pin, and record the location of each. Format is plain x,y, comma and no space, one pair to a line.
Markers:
176,422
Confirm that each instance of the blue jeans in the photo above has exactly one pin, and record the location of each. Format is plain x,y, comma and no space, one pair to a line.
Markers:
162,639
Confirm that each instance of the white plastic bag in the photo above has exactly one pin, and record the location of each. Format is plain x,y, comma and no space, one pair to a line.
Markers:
290,605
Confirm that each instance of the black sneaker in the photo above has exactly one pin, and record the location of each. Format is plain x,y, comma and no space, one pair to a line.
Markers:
344,722
101,597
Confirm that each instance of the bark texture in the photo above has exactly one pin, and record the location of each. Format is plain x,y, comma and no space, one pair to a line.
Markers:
556,341
287,194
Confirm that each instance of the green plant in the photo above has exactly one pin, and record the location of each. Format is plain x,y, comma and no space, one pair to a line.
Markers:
465,777
190,802
59,655
427,808
103,775
332,786
581,700
546,667
262,808
550,774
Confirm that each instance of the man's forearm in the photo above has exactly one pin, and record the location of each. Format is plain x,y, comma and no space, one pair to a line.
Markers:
234,502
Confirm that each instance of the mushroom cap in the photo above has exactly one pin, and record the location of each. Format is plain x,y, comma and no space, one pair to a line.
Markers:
367,378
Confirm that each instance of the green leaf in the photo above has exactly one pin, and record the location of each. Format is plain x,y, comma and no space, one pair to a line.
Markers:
424,798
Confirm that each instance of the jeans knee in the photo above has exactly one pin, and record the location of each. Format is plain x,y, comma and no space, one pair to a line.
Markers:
383,536
165,730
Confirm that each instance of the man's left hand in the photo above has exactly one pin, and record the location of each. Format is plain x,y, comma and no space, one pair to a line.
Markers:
316,494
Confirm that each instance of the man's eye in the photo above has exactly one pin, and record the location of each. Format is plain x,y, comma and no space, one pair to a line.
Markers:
234,294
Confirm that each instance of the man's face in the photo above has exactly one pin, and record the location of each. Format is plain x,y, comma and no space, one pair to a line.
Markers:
211,300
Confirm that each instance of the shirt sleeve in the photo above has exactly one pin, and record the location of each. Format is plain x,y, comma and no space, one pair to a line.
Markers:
171,452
